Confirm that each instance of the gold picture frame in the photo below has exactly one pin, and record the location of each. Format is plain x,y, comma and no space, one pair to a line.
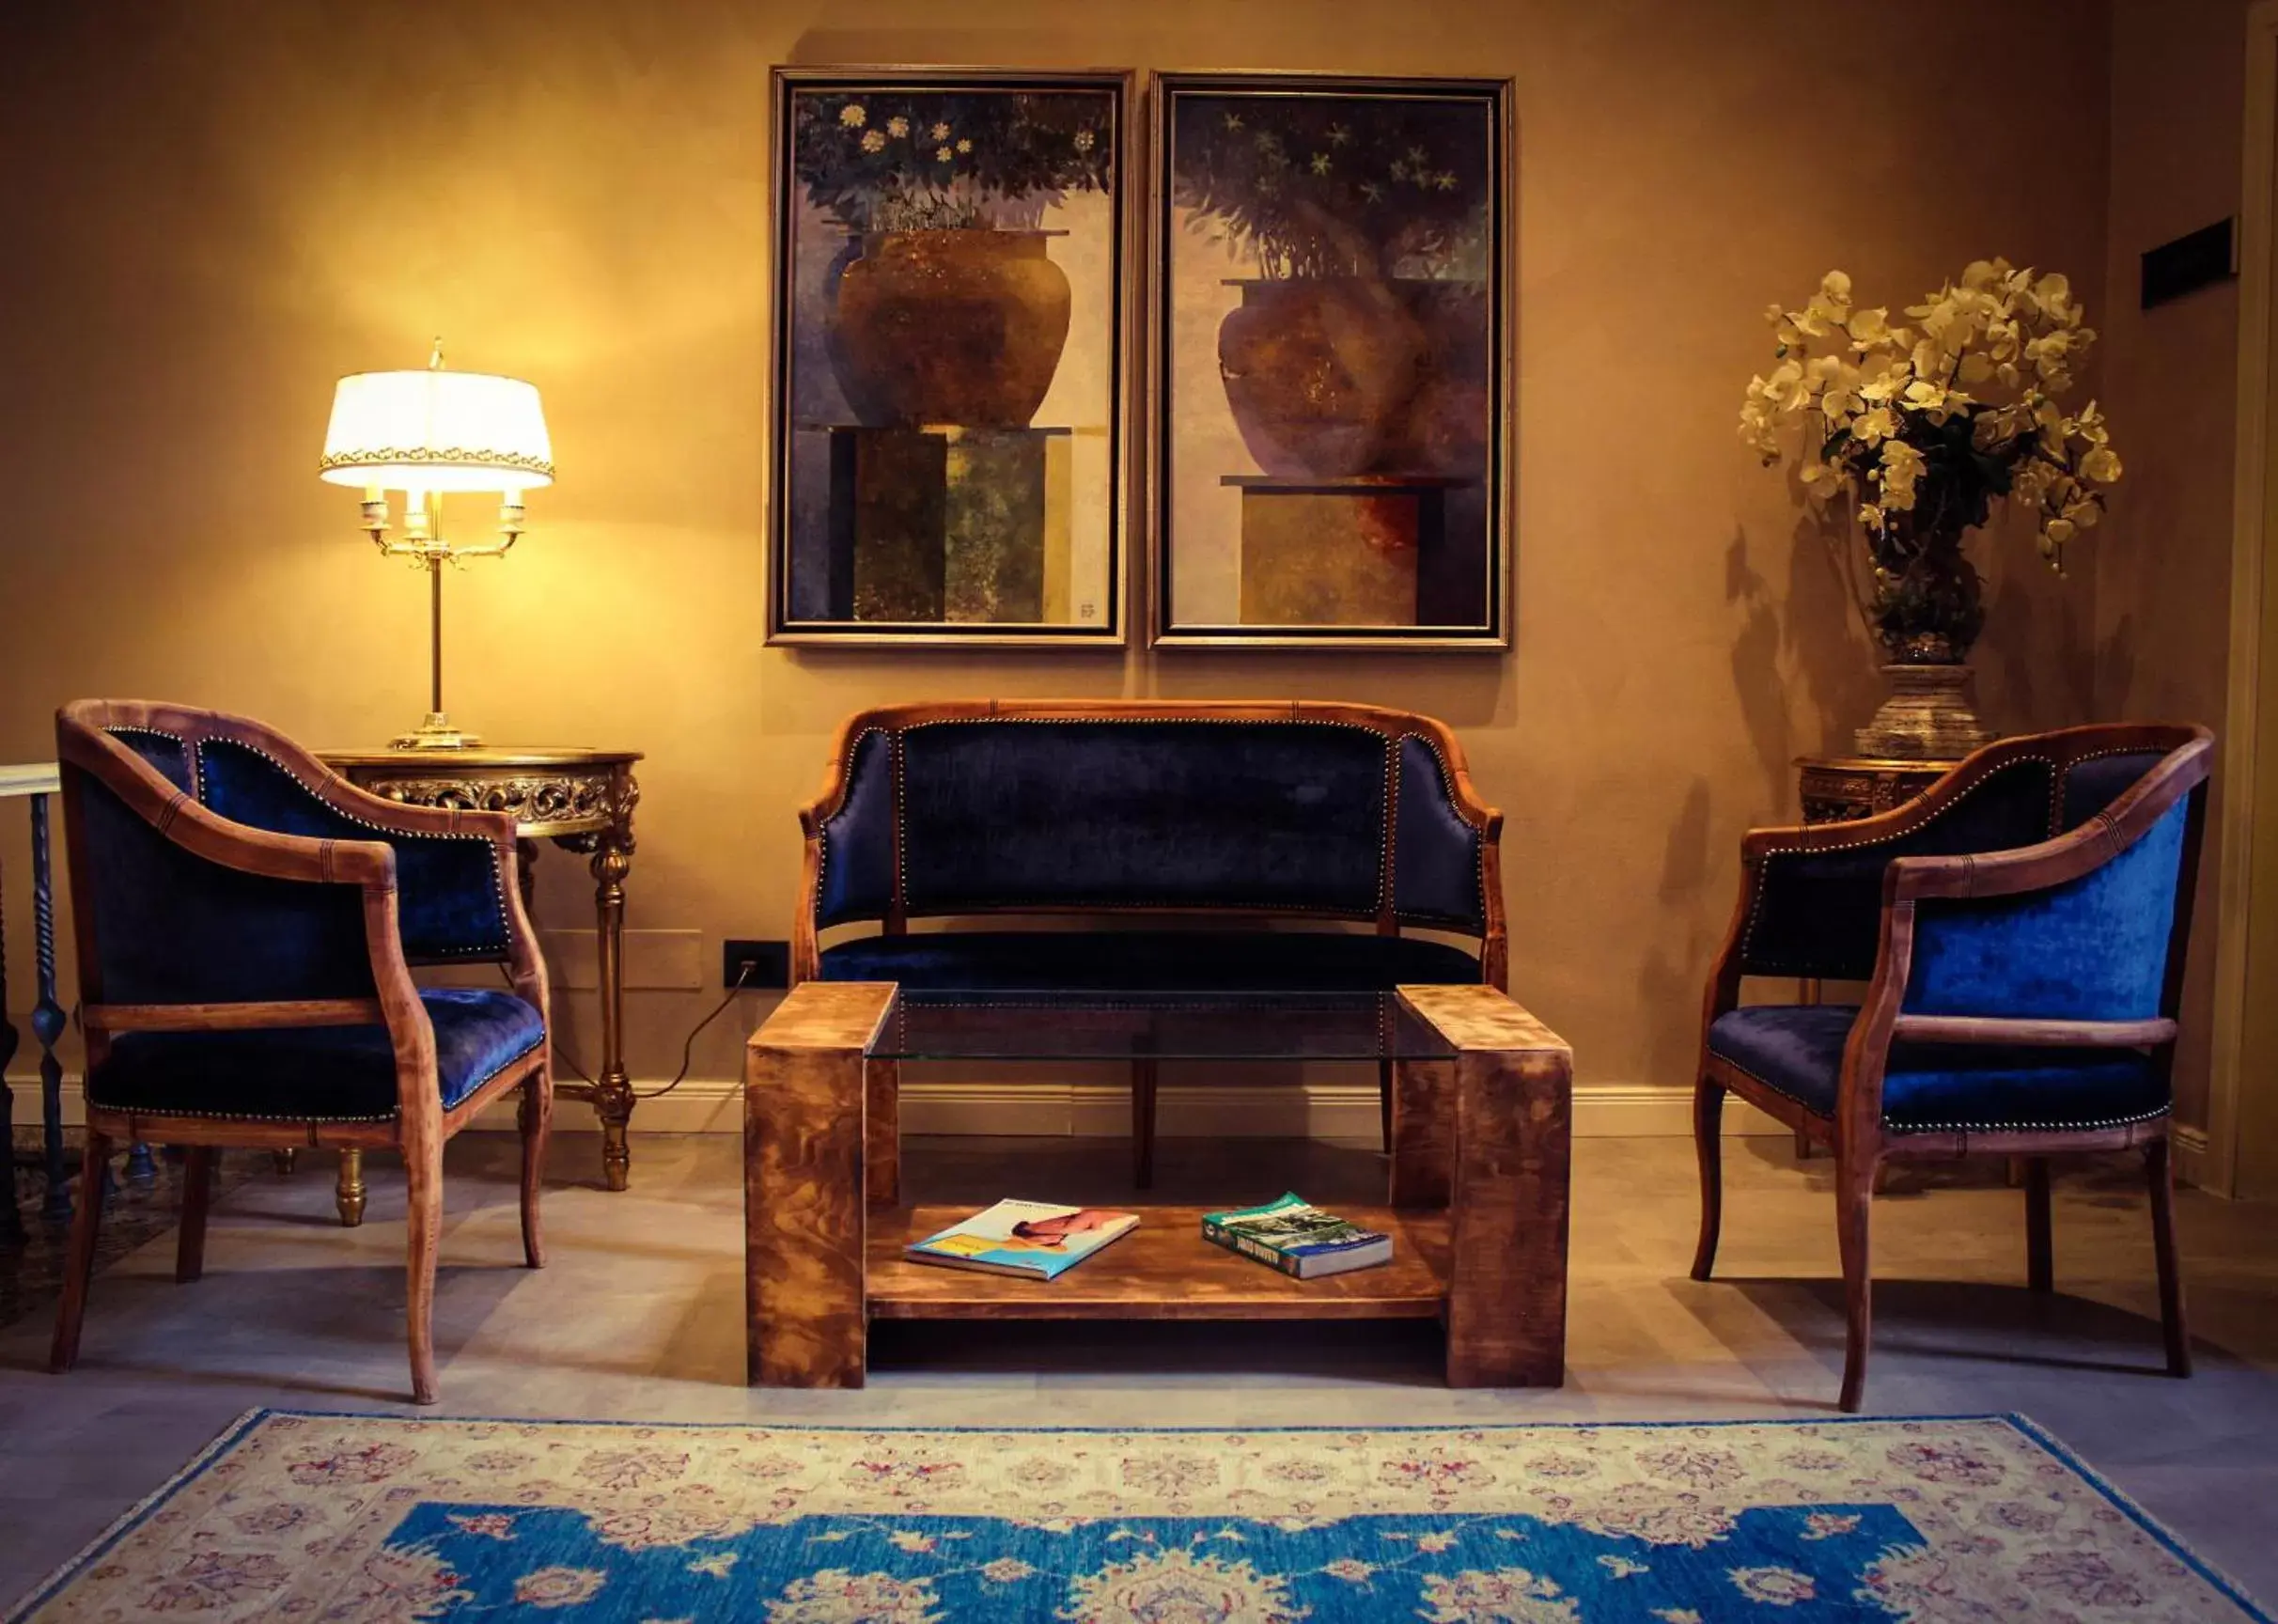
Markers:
1344,243
952,318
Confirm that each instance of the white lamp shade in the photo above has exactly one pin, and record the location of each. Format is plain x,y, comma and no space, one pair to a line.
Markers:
437,431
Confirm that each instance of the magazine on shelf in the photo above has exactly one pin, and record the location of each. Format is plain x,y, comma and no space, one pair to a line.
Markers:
1034,1239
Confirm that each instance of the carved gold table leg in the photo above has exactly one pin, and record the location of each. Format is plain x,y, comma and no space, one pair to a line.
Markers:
1507,1292
806,1218
613,1087
525,873
348,1196
283,1161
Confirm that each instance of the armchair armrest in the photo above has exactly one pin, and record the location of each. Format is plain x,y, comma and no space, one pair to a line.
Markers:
456,867
2080,930
1811,902
181,907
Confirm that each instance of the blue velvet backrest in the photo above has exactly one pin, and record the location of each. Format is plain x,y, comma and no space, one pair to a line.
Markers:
857,878
171,928
2095,949
1000,814
2094,782
168,752
1819,914
450,895
1437,877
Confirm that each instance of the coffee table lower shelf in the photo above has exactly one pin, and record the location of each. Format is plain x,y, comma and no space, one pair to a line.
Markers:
1163,1270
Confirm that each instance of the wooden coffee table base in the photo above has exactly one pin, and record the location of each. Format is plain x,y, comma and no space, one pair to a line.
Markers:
1477,1207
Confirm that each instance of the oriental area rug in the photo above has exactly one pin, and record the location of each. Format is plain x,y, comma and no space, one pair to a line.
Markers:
339,1518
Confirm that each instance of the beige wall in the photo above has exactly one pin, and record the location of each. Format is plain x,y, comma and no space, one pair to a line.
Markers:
2162,570
215,210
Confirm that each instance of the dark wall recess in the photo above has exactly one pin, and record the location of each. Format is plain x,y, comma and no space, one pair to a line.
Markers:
2189,263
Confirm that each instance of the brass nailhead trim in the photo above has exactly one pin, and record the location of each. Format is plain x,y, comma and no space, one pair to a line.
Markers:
1755,906
498,895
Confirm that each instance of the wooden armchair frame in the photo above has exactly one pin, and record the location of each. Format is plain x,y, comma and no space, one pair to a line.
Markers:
421,1125
1856,1132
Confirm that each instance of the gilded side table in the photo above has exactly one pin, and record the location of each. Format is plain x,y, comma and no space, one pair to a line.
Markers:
1842,789
581,801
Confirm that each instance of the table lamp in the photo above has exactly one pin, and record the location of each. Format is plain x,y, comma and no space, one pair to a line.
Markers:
426,433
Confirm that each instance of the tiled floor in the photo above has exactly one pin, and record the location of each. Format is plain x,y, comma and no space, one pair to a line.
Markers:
640,1316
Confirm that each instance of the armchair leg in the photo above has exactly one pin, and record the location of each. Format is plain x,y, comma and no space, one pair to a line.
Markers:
1708,1144
423,1175
537,1124
1854,1202
78,1259
1384,1100
2159,1165
2040,1264
197,1194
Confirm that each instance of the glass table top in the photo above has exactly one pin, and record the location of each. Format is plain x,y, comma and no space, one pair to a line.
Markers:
944,1024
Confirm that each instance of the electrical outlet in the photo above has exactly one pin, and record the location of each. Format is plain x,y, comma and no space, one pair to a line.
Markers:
769,964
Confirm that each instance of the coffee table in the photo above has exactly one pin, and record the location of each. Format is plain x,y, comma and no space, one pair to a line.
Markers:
1475,1196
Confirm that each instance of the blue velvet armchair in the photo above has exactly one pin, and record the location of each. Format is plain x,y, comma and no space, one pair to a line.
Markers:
2021,928
247,922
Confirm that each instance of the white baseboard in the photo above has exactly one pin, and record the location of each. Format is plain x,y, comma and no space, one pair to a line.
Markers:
1059,1109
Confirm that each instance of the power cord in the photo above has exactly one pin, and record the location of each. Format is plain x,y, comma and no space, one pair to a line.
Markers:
688,1045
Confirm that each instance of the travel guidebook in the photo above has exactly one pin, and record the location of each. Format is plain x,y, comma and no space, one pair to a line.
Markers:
1296,1237
1031,1238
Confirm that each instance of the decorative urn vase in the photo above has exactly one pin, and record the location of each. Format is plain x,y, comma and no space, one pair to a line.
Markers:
1928,715
962,326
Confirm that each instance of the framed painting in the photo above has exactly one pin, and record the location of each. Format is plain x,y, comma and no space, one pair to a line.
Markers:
952,318
1332,310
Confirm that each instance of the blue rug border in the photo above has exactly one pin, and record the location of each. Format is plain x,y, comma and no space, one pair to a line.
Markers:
133,1518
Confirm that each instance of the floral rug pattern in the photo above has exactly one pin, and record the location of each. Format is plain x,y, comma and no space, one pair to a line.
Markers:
353,1520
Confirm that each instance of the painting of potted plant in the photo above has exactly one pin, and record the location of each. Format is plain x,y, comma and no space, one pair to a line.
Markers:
1912,430
949,311
1339,245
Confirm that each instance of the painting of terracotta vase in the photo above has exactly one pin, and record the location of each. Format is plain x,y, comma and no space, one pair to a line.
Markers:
1338,377
960,326
1318,371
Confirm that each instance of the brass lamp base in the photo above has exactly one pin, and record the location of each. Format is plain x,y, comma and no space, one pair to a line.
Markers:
435,733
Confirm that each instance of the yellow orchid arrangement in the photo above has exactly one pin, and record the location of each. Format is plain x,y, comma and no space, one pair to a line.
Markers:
1923,426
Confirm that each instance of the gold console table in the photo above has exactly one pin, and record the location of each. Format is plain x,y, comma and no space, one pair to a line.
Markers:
581,801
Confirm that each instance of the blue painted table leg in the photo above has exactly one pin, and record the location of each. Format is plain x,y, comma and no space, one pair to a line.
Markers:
11,1221
47,1015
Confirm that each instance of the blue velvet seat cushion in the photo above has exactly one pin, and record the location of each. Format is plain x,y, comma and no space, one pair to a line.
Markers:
312,1073
1797,1050
1148,960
